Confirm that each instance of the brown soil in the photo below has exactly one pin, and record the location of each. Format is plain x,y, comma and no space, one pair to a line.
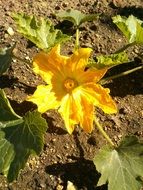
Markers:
69,157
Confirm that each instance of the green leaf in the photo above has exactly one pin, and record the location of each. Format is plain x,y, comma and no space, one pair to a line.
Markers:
122,167
109,60
7,114
76,17
131,27
19,138
40,32
5,59
17,142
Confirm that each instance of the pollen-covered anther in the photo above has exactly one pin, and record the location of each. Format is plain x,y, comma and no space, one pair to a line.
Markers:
70,84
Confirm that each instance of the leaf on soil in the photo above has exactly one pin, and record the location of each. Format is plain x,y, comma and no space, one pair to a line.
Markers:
131,27
122,167
5,59
40,32
7,115
109,60
20,139
76,17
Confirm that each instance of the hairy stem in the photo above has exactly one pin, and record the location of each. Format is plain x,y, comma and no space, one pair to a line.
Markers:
77,39
107,79
125,47
103,132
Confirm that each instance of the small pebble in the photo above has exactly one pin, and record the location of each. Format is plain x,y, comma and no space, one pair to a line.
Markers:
59,187
10,31
70,186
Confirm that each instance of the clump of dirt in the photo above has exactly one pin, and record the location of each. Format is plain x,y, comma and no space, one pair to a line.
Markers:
69,157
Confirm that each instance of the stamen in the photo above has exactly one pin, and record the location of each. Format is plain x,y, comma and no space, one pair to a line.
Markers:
69,84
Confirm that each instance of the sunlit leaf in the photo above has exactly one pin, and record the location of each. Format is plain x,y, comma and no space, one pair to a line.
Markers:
122,167
41,32
131,27
5,59
109,60
19,139
76,17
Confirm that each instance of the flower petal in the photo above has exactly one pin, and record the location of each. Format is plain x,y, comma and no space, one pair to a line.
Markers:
79,59
65,111
90,75
47,64
57,83
44,98
100,97
85,111
69,111
86,121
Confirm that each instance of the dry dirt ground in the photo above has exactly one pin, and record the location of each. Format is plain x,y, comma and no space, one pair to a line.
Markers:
69,157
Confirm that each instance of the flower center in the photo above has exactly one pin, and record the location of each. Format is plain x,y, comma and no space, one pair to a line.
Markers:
69,84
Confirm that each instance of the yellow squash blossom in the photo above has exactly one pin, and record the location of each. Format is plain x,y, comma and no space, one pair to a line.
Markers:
70,88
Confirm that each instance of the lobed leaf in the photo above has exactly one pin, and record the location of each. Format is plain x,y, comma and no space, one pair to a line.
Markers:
122,167
109,60
7,114
131,27
5,59
24,136
76,17
40,32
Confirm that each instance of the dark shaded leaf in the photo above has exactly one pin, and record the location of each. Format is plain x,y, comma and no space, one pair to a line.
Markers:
7,114
19,137
5,59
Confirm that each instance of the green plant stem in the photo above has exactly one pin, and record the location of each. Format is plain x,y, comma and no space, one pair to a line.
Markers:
20,59
107,79
125,47
77,39
103,132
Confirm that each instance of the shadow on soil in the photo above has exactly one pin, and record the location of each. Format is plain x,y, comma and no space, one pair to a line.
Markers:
132,10
81,172
53,128
128,10
130,84
123,11
5,81
22,108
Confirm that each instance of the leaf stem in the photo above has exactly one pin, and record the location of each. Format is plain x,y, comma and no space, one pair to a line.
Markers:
20,59
77,39
107,79
125,47
103,132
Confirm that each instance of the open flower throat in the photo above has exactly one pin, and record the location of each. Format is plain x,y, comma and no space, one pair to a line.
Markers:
70,84
71,89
